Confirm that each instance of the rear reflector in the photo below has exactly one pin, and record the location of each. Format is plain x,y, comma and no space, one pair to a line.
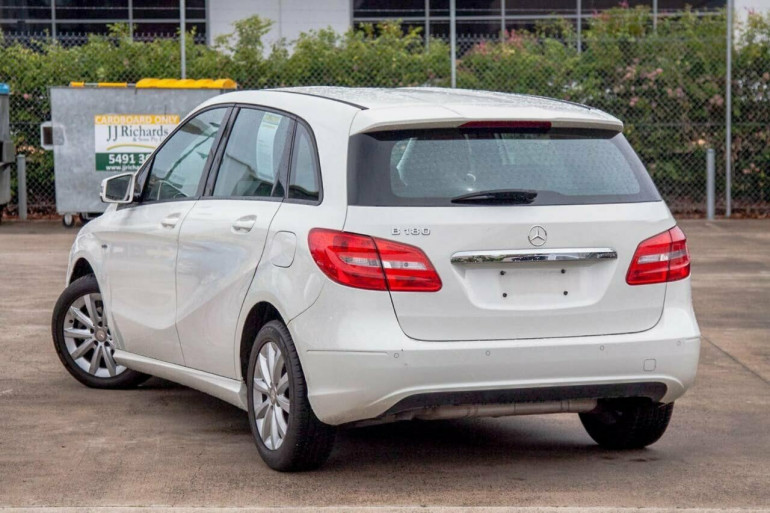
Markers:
659,259
371,263
532,125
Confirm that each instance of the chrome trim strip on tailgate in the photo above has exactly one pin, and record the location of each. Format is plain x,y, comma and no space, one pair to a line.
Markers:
527,255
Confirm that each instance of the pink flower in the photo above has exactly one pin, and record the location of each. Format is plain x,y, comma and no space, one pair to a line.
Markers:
652,74
634,101
515,38
753,168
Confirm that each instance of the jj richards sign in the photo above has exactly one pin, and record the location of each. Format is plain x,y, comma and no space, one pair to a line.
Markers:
124,141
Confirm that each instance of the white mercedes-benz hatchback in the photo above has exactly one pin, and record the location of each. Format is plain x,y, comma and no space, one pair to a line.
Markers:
326,257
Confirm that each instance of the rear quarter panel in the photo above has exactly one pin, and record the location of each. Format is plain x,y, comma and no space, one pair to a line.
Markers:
294,288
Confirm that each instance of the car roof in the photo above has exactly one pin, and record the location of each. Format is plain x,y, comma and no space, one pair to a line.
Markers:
379,97
426,107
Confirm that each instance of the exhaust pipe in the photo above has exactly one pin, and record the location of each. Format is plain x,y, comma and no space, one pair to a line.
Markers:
489,410
504,410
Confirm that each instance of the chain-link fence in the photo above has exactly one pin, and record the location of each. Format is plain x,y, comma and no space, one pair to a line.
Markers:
30,64
668,91
666,83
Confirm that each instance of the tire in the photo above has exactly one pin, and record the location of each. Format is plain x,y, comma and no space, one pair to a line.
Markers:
628,424
306,441
68,220
87,217
87,353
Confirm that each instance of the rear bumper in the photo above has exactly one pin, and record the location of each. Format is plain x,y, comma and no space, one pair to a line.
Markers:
359,364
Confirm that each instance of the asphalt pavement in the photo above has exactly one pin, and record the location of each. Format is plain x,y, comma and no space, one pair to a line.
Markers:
164,447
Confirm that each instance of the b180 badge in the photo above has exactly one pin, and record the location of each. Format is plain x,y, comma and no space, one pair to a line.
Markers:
410,231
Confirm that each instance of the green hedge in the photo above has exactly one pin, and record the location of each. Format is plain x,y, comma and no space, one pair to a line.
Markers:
666,85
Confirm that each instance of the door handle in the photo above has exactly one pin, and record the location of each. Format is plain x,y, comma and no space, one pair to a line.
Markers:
171,220
244,224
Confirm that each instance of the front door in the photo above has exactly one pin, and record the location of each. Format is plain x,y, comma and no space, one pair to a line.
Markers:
141,241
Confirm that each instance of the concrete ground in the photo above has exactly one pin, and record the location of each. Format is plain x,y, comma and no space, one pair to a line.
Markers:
64,445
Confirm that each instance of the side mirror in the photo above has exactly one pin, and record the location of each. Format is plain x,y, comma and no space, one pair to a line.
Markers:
118,188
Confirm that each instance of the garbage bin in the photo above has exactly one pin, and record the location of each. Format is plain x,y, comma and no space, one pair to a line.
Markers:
7,150
98,130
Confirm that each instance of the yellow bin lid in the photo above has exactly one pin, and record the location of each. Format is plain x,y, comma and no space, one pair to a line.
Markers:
187,83
167,83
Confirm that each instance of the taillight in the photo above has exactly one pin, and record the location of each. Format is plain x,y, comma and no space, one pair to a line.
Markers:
406,267
370,263
347,258
659,259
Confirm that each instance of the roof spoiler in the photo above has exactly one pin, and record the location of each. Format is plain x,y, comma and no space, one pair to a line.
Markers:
362,125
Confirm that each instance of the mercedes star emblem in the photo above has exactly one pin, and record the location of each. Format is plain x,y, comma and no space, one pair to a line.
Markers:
537,236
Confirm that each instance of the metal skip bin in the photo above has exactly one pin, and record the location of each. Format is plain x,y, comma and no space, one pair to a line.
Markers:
6,149
99,130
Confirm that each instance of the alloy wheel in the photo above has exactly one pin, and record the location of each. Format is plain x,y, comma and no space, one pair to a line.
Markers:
88,338
272,400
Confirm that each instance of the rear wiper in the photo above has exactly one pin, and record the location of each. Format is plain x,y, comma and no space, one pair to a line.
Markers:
498,197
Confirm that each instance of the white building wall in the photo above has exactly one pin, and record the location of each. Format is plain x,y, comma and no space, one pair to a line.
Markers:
741,10
743,7
290,17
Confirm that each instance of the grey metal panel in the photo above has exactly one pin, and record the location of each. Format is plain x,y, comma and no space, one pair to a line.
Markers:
72,113
5,185
5,140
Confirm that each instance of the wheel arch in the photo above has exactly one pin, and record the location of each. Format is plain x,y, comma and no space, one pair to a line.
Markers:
260,314
82,267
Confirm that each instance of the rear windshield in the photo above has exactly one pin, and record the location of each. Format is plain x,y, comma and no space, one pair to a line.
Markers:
430,167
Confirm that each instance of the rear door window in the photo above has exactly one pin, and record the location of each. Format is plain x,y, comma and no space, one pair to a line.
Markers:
255,159
431,167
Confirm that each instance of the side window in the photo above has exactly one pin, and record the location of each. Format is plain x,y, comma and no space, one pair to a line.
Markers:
256,156
177,167
303,183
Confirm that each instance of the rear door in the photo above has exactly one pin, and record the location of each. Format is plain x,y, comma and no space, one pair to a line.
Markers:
546,259
223,237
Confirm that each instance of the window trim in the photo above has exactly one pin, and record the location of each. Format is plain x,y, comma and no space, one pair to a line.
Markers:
648,191
217,160
317,160
147,167
213,170
208,193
